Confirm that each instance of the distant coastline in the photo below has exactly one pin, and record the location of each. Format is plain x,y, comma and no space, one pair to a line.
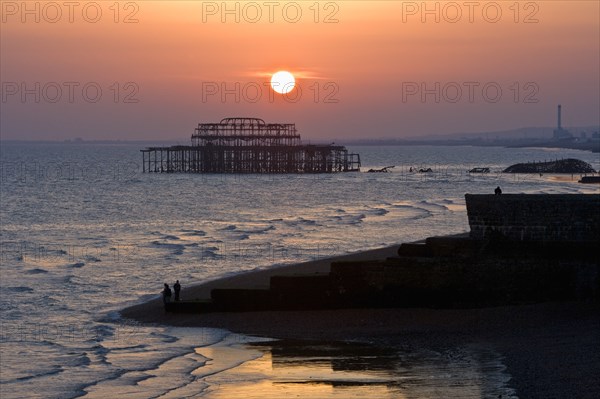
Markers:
590,146
593,146
526,137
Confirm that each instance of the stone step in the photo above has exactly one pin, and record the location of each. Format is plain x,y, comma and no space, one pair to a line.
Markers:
189,307
412,249
240,300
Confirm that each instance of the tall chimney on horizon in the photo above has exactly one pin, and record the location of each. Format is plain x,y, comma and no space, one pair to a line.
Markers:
559,125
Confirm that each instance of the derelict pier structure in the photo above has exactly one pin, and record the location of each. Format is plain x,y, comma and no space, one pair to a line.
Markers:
249,145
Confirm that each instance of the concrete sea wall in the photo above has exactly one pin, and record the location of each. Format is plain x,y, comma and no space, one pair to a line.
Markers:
534,217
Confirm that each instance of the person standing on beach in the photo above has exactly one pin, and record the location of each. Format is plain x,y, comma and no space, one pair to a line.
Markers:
177,288
166,294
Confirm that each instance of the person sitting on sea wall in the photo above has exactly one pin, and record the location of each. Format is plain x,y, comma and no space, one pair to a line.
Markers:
498,190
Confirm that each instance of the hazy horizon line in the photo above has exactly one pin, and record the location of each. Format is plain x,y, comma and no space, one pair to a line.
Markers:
431,136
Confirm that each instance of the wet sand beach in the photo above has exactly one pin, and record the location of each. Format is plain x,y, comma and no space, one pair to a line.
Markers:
548,350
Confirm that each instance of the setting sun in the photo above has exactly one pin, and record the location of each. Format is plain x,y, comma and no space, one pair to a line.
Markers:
283,82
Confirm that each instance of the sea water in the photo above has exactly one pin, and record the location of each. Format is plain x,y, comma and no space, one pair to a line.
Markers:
84,233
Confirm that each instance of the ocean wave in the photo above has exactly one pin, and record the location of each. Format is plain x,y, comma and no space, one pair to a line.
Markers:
77,265
233,357
170,237
67,280
379,211
75,360
149,370
250,230
101,332
300,221
47,372
36,271
49,252
413,212
241,237
358,218
433,205
101,353
210,248
210,253
257,230
197,233
19,289
133,348
350,219
176,248
164,236
165,338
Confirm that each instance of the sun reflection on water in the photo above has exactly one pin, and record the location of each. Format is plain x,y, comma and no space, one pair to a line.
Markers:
351,370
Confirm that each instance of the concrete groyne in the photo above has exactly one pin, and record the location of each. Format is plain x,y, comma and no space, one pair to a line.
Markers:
521,249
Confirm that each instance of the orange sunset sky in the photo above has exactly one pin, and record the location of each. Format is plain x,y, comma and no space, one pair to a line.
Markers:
361,67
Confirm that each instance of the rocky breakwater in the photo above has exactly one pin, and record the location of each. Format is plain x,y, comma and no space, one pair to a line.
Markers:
570,166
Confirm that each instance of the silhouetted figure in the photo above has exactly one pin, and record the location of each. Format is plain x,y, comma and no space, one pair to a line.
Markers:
166,294
177,289
498,190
